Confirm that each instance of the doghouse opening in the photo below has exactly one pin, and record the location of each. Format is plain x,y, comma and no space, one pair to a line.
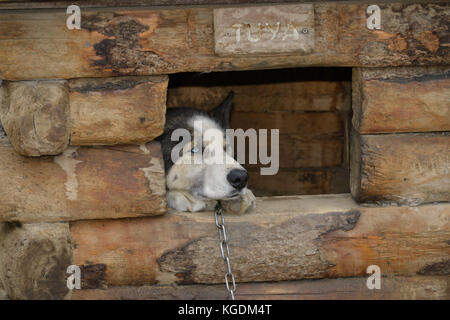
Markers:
311,107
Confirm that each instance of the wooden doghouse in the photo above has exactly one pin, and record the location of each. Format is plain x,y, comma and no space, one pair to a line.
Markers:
360,92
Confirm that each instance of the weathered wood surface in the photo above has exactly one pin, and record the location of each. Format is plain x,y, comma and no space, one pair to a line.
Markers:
3,295
113,42
395,288
112,111
293,181
297,151
286,238
306,139
82,183
311,148
264,29
408,99
40,117
305,123
34,259
35,116
27,4
2,131
403,168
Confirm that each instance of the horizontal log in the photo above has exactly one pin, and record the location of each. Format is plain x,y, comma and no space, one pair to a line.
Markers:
63,4
395,288
82,183
35,116
292,181
402,168
390,100
300,152
121,110
312,124
285,238
34,259
116,42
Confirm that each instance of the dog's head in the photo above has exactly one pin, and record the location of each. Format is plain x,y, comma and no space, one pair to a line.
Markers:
202,163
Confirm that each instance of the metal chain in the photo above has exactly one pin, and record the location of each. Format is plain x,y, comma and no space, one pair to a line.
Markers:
224,249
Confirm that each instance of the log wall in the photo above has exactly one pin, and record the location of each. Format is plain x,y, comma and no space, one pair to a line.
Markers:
401,135
328,238
85,105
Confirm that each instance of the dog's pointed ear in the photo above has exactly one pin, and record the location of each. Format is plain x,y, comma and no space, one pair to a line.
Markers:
222,113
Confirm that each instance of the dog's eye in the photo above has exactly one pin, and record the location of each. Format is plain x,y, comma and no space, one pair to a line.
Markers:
194,150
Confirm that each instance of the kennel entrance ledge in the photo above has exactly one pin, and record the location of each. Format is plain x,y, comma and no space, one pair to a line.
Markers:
285,238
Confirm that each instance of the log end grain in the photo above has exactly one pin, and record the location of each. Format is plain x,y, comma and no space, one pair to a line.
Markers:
34,259
35,116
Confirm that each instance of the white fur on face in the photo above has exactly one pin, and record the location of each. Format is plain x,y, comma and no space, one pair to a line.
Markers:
206,174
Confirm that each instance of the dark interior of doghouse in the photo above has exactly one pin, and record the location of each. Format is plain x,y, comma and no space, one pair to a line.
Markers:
310,106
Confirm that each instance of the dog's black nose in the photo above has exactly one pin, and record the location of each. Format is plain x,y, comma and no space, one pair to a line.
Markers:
238,178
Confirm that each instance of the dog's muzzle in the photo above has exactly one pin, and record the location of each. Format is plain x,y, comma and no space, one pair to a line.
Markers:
238,178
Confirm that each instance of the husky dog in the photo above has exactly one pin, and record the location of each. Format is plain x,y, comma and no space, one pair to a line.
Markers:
195,181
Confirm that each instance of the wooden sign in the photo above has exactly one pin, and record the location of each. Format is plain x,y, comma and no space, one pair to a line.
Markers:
264,29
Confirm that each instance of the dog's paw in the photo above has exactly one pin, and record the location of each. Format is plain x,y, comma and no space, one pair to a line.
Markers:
245,203
248,201
183,201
